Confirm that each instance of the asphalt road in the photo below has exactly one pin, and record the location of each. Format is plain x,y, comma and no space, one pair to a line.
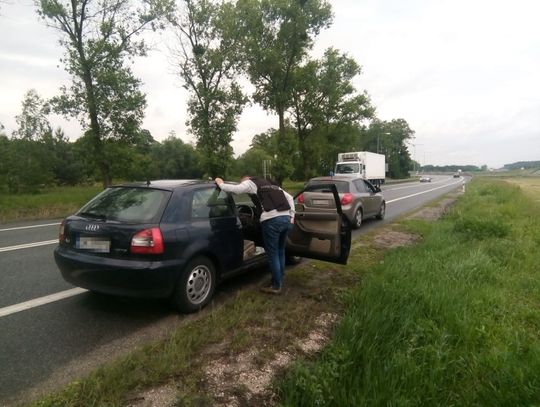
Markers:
51,331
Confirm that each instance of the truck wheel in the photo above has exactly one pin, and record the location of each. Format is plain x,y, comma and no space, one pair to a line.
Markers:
196,285
357,219
382,212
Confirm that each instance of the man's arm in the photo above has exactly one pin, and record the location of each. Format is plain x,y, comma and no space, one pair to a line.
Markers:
245,187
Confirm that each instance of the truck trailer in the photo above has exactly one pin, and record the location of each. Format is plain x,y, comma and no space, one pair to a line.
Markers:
363,164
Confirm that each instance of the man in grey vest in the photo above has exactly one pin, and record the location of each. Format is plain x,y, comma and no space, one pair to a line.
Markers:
276,220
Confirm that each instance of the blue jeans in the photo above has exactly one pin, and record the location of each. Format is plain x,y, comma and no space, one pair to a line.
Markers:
274,232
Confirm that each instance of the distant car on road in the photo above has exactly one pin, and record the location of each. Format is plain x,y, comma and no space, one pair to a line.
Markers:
177,239
359,198
457,175
425,178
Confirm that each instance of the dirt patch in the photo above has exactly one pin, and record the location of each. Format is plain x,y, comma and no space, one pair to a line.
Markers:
390,239
251,384
432,213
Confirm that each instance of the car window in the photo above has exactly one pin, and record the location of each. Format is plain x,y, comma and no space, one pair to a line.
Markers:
360,186
347,168
210,203
369,186
127,204
242,199
342,186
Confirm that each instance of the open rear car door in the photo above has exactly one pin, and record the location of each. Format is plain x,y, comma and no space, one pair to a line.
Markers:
321,233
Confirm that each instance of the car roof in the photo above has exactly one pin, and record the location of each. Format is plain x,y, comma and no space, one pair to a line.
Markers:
335,178
168,184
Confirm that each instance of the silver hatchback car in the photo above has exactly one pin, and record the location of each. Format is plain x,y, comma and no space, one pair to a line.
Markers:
359,198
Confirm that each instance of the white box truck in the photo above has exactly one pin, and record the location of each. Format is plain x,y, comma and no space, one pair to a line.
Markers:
363,164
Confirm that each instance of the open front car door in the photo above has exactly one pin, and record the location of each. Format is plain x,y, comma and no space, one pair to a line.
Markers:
320,231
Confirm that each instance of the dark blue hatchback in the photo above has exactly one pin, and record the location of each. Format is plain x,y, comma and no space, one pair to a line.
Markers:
177,238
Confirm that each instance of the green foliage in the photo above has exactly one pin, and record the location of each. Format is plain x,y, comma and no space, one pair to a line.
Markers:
251,162
281,149
26,166
32,122
174,159
324,96
390,138
98,38
276,38
207,59
473,228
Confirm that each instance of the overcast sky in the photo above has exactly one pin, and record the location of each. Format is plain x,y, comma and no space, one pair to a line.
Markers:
465,75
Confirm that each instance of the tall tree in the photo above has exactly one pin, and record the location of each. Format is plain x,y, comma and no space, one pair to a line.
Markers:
99,37
33,123
390,138
277,36
325,99
207,61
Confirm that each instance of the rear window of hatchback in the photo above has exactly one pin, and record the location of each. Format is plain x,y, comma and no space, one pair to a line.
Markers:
127,204
342,186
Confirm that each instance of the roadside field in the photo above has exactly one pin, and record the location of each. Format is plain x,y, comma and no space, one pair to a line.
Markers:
454,320
530,186
57,202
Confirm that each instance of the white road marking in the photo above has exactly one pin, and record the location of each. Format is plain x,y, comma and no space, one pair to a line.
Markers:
36,302
423,192
29,227
28,245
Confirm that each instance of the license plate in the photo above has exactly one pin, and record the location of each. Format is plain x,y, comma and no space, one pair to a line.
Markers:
94,244
320,202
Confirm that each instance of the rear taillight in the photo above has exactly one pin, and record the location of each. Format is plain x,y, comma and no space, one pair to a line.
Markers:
346,199
148,241
61,235
300,198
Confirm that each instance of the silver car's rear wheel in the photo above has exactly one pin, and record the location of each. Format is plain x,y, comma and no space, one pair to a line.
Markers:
357,219
196,285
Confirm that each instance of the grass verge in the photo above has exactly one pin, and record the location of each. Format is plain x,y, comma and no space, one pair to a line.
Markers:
55,203
453,320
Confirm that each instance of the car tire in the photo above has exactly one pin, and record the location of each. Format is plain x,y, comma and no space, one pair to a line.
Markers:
196,285
357,219
382,212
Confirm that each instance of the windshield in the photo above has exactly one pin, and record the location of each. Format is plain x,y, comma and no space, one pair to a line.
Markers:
127,204
349,168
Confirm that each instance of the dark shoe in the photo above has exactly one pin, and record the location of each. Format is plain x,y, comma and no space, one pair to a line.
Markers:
271,290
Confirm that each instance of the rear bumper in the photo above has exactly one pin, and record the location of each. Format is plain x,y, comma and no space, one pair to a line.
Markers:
131,278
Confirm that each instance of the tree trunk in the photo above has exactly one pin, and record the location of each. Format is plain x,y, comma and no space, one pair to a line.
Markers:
281,141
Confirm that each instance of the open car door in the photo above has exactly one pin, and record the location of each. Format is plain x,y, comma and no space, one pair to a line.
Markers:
321,233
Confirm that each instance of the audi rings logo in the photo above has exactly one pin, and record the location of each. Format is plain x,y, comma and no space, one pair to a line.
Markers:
92,228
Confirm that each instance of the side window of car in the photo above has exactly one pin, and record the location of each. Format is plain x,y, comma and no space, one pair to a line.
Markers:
360,186
369,187
210,203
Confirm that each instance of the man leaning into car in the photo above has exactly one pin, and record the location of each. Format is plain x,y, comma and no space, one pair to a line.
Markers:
276,221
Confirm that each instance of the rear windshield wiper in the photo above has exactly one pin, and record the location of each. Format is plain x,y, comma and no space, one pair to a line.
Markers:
92,215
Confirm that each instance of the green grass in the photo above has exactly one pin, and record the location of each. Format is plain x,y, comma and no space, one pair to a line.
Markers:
53,203
454,320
